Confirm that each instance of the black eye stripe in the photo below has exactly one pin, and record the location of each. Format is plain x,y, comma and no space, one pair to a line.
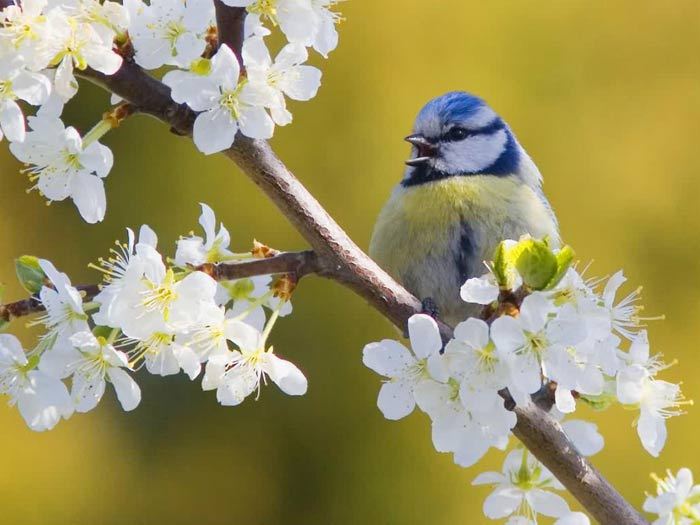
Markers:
458,133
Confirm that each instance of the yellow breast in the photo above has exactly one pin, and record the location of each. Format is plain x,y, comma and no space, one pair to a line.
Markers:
420,225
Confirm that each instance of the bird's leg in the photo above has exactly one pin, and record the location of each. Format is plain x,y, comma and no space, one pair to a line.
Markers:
430,308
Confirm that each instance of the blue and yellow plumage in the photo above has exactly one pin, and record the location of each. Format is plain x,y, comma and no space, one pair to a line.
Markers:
468,186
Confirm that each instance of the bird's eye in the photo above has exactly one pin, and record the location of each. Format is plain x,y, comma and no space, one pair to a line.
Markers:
456,134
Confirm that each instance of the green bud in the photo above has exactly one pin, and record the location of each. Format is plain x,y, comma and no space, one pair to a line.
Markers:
29,273
535,262
240,289
500,265
565,259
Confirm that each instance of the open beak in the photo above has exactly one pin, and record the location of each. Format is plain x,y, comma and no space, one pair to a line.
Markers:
426,149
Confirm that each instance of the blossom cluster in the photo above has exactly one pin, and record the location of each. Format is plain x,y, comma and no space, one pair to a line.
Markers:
545,331
44,44
677,499
165,318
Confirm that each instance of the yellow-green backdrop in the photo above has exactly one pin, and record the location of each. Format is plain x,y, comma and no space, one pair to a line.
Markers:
605,96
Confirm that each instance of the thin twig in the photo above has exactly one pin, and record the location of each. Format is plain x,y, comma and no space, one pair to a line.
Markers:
297,264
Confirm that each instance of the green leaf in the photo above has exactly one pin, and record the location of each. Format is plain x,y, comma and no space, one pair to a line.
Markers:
3,324
565,259
29,273
535,262
599,402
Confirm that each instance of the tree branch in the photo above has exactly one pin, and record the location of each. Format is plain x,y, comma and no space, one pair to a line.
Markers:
339,258
297,264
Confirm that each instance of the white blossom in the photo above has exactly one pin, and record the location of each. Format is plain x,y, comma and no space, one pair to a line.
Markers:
16,83
467,433
63,304
169,32
529,341
309,22
91,361
61,165
405,369
213,248
657,400
42,400
522,488
480,290
226,105
237,374
77,45
677,500
285,76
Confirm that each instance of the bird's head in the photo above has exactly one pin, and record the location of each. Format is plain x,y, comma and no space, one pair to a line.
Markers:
459,134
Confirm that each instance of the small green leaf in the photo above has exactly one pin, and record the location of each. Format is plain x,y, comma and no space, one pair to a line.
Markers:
32,362
599,402
29,273
535,262
3,324
565,259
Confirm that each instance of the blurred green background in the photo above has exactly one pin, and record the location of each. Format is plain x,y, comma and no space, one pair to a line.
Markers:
605,96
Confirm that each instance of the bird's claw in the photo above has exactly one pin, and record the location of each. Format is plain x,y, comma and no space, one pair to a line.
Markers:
428,307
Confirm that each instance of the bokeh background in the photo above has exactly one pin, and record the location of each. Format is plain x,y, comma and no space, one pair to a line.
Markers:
606,98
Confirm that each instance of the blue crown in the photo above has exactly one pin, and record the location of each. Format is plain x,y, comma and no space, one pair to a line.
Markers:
455,106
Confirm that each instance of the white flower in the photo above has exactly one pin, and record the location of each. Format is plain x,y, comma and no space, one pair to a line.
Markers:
63,166
584,436
309,22
404,369
657,400
677,501
23,30
77,45
42,400
623,315
122,268
468,434
225,104
285,76
63,303
213,248
573,518
148,299
90,361
169,32
522,488
16,83
164,356
107,18
480,290
248,296
528,341
210,336
473,360
238,374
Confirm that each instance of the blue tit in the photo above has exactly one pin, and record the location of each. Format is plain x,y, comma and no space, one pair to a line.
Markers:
468,186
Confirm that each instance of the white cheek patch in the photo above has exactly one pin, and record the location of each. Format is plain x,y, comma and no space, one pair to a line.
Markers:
472,154
482,118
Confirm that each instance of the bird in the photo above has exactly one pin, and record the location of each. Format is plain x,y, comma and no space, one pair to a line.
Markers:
468,185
